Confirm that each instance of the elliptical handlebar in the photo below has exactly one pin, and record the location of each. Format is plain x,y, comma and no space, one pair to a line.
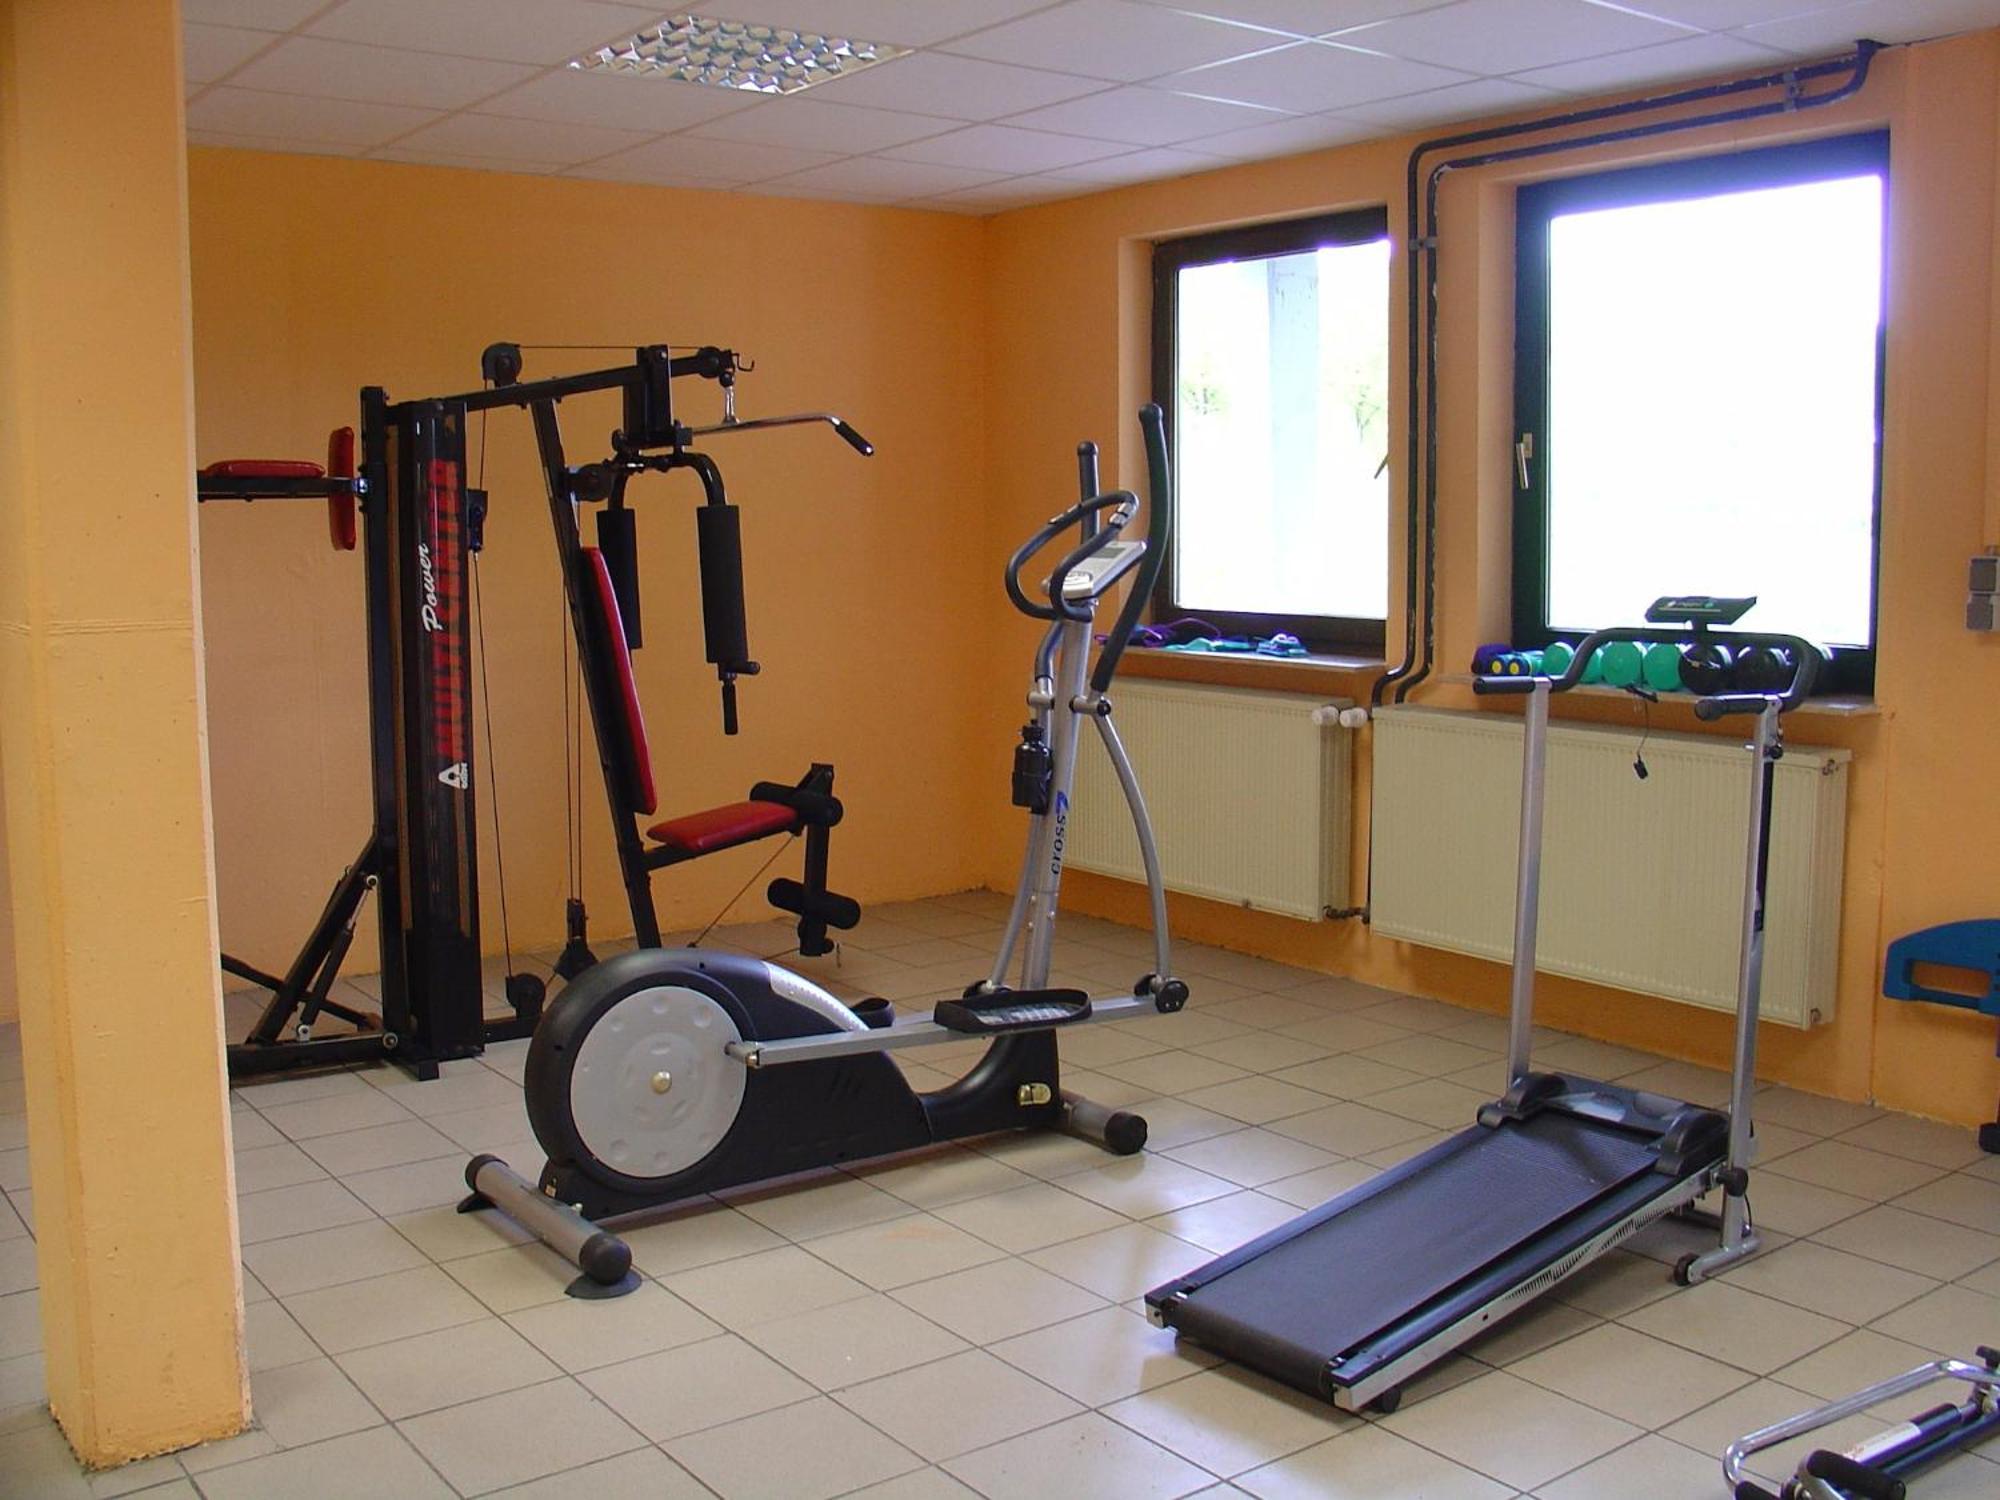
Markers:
1055,527
1159,529
1806,662
1106,533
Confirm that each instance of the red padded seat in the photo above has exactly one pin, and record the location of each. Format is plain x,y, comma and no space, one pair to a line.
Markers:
725,827
635,763
264,468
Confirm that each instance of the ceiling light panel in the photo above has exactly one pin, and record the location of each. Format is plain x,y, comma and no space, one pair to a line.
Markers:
737,55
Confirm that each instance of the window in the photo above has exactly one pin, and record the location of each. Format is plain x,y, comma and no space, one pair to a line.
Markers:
1271,360
1699,394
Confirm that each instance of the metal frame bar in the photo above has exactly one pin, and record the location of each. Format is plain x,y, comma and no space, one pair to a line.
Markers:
913,1034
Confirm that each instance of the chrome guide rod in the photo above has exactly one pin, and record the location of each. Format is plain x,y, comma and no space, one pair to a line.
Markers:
1149,852
1528,882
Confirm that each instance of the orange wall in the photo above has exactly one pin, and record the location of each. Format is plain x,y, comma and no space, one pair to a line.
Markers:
10,1007
313,277
1070,294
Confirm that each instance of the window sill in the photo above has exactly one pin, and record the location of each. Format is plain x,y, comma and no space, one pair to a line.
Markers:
1335,676
1832,706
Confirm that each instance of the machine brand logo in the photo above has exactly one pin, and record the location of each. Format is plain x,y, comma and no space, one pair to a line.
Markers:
440,558
1062,833
424,566
458,777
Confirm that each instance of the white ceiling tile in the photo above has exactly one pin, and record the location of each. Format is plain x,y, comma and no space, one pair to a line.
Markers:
1831,31
620,100
1003,148
1693,58
1507,36
497,136
1458,101
909,23
998,197
265,15
1288,138
877,176
1301,17
381,75
1144,117
735,161
1721,15
1312,77
1141,166
418,157
956,88
211,51
652,174
333,122
1112,39
823,126
532,31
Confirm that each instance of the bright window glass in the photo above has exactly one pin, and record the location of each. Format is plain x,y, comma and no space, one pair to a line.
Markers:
1281,434
1713,399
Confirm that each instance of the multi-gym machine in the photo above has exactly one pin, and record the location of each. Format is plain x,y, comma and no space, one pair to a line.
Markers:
420,523
659,1076
1353,1299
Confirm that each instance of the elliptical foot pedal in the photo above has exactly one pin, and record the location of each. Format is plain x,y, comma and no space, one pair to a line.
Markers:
1012,1010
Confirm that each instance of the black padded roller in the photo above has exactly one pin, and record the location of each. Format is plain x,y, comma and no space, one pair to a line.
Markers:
618,540
720,529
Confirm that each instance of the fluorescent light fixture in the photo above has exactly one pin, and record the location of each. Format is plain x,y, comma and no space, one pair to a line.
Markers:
737,55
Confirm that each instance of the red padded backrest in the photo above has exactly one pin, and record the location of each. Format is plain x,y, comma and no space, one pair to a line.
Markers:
263,468
635,763
340,508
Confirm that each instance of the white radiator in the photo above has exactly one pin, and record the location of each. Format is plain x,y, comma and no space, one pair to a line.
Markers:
1251,800
1642,880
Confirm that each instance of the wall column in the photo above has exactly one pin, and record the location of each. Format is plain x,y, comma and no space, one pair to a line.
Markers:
102,743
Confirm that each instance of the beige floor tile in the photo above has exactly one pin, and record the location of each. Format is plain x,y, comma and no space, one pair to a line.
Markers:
354,1109
584,1333
20,1324
1683,1080
1260,1052
850,1342
1369,1463
1536,1327
696,1234
1171,1123
919,1484
1103,1088
1960,1199
358,1313
1592,1059
1739,1328
806,1452
412,1186
1047,1155
265,1094
274,1166
1228,1420
1755,1406
897,1252
958,1404
1847,1364
1097,1046
1147,1184
272,1337
1087,1455
309,1402
1267,1012
1104,1356
1853,1169
1433,1102
1321,1185
19,1271
328,1257
446,1234
1915,1242
1430,1017
278,1212
1948,1320
997,1301
1255,1100
1791,1206
470,1087
1330,992
361,1466
1929,1141
406,1377
697,1386
502,1440
1650,1469
350,1151
1428,1055
1811,1112
948,1174
487,1128
1250,1158
1986,1279
1029,1218
146,1474
1350,1129
1346,1033
1402,1151
255,1443
510,1279
1630,1375
1220,1224
1172,1072
642,1474
1615,1284
1511,1430
1830,1281
1971,1476
760,1288
1120,1263
820,1205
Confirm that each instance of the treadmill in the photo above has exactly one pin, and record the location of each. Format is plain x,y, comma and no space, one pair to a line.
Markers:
1352,1299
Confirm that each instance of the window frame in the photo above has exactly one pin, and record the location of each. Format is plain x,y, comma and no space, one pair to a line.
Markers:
1321,634
1537,205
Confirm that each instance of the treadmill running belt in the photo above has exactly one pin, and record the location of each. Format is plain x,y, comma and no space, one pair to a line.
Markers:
1329,1286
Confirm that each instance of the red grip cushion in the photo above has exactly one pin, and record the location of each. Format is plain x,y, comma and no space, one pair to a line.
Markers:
340,507
263,468
725,827
636,766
